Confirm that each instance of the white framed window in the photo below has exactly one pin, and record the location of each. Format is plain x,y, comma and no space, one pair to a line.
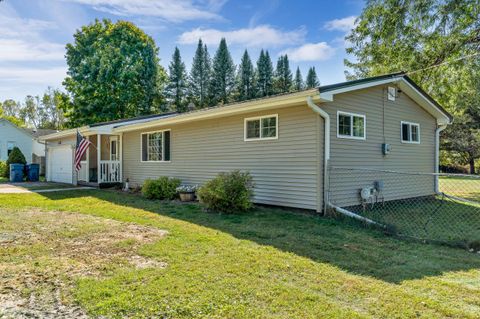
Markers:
351,125
410,132
261,128
155,146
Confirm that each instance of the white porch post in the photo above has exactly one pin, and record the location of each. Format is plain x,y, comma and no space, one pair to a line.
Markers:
87,178
120,155
99,154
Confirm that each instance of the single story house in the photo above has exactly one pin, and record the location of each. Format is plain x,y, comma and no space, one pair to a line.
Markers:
25,139
285,141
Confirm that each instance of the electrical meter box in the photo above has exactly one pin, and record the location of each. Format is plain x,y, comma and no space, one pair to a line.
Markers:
386,149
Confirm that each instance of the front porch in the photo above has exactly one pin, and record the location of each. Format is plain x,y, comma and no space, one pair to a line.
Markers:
102,163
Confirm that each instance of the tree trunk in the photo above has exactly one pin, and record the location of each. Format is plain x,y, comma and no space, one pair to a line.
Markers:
472,165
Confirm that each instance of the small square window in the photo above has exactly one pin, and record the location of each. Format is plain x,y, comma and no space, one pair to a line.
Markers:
351,125
410,132
261,128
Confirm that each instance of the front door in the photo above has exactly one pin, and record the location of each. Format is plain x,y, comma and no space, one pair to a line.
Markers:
114,148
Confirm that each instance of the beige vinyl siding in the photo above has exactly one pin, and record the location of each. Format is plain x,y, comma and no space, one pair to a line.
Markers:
355,153
284,170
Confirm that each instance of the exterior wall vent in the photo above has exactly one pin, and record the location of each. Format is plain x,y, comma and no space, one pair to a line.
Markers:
392,93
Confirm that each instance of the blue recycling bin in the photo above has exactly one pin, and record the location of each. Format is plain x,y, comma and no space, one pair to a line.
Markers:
33,172
16,173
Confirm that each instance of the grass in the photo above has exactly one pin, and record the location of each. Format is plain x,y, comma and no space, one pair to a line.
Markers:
465,187
269,263
436,218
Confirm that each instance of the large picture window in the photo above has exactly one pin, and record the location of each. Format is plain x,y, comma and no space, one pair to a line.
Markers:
156,146
410,132
261,128
351,125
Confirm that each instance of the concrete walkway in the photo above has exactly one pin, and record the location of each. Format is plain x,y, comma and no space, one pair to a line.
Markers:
26,188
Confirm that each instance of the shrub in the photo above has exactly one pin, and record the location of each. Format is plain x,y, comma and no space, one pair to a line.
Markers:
228,192
3,168
161,188
16,157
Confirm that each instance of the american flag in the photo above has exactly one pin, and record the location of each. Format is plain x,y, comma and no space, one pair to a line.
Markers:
82,146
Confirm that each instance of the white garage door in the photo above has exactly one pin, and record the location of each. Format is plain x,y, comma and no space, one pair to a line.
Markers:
60,164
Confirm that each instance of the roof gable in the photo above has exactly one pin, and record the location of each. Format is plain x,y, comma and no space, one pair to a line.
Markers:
406,84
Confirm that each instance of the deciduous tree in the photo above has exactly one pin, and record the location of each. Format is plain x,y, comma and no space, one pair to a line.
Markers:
113,72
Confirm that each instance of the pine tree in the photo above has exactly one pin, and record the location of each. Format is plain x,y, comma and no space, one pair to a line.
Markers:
283,75
298,83
246,78
223,75
312,80
200,74
177,86
264,75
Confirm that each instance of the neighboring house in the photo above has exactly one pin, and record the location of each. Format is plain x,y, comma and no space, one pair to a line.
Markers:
25,139
285,141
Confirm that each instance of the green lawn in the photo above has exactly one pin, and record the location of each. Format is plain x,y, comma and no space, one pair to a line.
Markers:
465,187
269,263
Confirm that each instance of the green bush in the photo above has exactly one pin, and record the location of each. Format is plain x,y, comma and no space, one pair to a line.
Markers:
228,192
16,157
3,168
161,188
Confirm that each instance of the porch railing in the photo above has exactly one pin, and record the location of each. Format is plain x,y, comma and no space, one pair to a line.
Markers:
109,172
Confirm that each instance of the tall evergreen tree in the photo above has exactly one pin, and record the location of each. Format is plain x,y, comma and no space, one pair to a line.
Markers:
264,74
223,75
312,80
283,75
176,87
200,74
246,78
298,82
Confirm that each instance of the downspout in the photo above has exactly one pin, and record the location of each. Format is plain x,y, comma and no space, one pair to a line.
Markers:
437,155
326,152
326,199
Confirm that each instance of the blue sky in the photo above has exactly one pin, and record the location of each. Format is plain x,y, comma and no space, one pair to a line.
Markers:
33,33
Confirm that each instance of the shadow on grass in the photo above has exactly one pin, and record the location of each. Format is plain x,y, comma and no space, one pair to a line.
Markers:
354,249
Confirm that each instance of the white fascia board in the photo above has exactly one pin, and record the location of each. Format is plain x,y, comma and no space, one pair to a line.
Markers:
407,88
426,104
234,109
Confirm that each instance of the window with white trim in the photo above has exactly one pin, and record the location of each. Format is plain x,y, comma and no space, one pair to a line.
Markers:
351,125
261,128
156,146
410,132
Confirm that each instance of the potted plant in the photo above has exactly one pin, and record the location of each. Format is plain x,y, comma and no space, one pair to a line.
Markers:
187,192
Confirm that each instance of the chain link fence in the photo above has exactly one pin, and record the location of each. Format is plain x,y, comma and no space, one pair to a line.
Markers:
432,207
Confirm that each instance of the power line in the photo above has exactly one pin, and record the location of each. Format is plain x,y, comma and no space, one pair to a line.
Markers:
443,63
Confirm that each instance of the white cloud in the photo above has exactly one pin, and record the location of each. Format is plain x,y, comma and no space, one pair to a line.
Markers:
320,51
263,35
28,61
345,24
52,76
174,11
25,50
21,40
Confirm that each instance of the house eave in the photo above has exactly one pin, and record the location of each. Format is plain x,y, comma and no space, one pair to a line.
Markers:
223,111
409,87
